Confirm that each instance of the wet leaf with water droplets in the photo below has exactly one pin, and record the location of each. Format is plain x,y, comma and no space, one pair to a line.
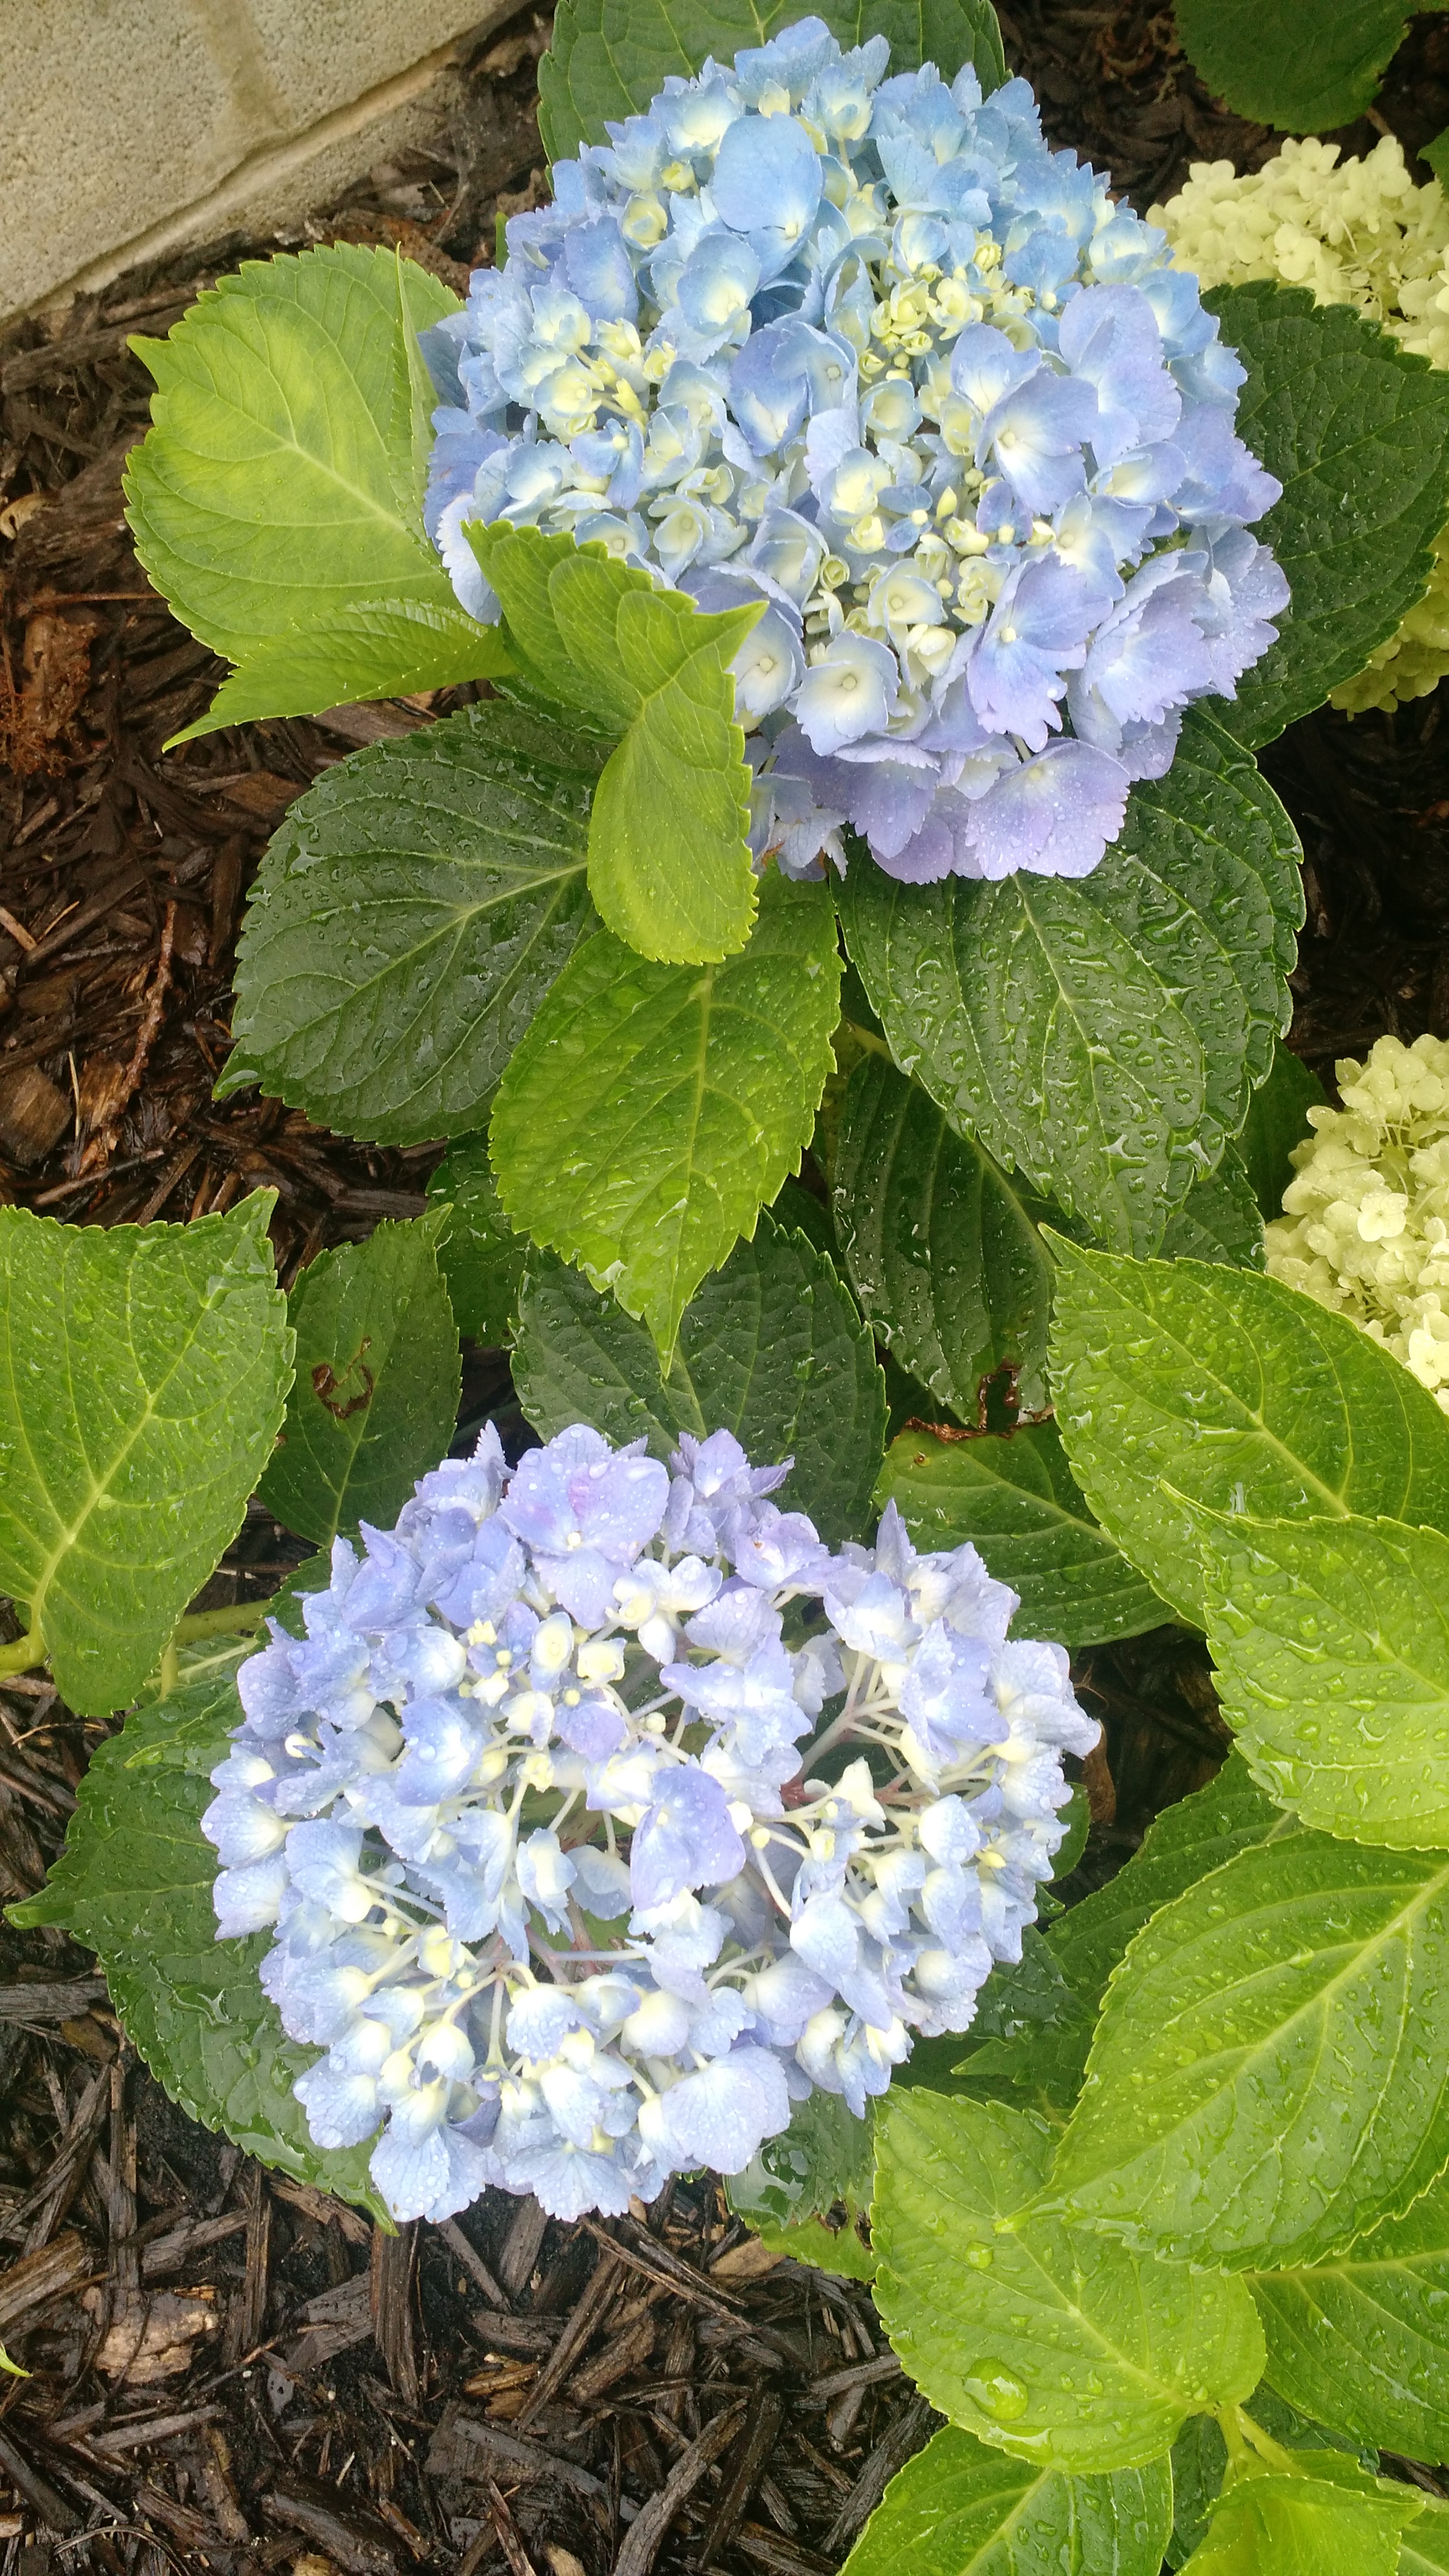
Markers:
959,2505
1066,2349
1364,2340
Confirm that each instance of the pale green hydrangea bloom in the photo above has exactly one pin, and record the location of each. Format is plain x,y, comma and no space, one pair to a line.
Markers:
1355,232
1365,1224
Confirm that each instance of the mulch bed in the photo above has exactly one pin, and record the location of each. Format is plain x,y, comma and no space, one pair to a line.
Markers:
228,2370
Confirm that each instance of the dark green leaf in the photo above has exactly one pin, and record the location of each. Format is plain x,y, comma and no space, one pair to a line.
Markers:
281,486
609,58
1437,156
1015,1499
1364,2339
1218,1220
1100,1037
1035,2335
669,862
409,918
1292,63
375,1398
770,1347
480,1256
134,1884
144,1372
1277,1121
1357,432
959,2509
807,2189
1270,2075
942,1247
651,1111
1180,1385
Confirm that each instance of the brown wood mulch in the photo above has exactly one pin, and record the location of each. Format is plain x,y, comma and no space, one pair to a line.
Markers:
227,2370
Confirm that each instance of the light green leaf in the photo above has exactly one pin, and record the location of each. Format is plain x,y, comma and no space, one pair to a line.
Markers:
1357,432
609,58
481,1257
1292,63
1184,1389
1425,2550
1015,1499
144,1371
770,1348
959,2509
1306,2526
385,649
1364,2339
822,2163
1331,1643
375,1398
941,1245
409,918
1277,1121
1270,2075
134,1884
281,484
1101,1036
669,861
1028,2331
1218,1220
651,1111
1200,2459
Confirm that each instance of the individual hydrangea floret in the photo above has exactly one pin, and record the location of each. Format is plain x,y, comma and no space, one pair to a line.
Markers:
1365,1224
601,1813
1353,232
867,351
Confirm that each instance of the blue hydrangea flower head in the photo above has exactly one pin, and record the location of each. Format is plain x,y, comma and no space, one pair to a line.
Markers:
866,349
601,1813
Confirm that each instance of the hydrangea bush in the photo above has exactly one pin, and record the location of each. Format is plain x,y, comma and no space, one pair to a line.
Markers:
592,1691
838,932
865,350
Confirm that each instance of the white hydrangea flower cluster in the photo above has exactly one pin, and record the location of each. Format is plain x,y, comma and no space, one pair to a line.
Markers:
821,1789
1365,1227
1354,232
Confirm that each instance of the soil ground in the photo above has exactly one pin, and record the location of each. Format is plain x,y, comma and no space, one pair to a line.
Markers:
228,2371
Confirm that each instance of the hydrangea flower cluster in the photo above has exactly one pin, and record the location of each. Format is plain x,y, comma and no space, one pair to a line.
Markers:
1354,232
868,351
1365,1225
602,1813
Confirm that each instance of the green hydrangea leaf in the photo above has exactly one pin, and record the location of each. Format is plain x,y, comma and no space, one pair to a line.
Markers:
1270,2075
1200,2459
134,1884
941,1245
1183,1388
1331,1643
1277,1121
280,488
961,2509
651,1111
1015,1499
1028,2331
1290,63
480,1255
1425,2549
609,58
144,1374
1364,2339
1101,1036
669,861
808,2187
1437,156
770,1348
375,1398
409,918
1357,432
1218,1220
384,649
1306,2526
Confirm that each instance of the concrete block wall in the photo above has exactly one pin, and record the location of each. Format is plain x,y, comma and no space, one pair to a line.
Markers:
131,126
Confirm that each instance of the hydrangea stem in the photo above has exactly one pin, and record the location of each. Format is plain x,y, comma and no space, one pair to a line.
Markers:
23,1654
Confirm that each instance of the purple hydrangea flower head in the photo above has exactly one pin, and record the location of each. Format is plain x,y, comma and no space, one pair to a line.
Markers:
866,350
602,1813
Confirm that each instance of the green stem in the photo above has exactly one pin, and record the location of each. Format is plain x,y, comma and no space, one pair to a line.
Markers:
236,1622
26,1652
